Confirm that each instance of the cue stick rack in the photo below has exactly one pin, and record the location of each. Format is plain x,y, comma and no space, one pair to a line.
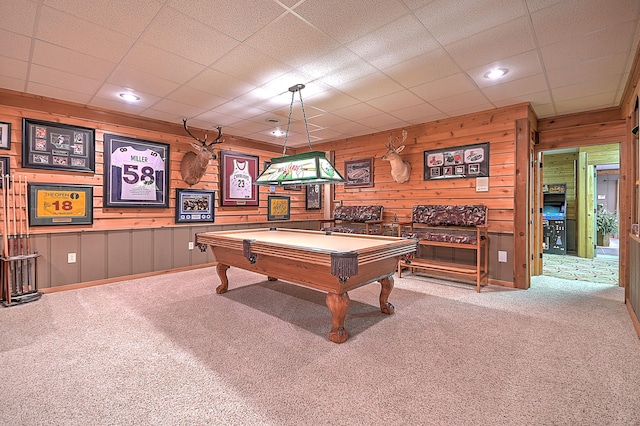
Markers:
18,273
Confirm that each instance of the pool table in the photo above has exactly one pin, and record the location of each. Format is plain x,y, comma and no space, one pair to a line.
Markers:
331,262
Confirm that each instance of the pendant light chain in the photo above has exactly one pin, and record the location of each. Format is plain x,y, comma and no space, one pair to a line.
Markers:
286,136
304,117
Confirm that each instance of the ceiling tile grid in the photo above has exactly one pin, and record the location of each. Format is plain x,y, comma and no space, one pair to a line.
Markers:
368,66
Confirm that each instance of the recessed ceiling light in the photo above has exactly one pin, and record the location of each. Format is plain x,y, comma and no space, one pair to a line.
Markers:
496,73
129,97
272,120
278,133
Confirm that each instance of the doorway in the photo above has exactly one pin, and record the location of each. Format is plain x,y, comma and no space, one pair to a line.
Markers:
585,181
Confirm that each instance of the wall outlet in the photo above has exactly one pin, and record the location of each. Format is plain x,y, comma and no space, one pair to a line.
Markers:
71,258
502,256
190,245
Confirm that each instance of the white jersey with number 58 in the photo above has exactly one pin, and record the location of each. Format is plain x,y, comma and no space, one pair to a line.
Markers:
138,172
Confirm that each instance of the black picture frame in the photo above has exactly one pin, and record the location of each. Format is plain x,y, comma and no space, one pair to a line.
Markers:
238,172
195,205
5,135
358,173
313,198
468,161
53,204
56,146
278,207
5,169
136,172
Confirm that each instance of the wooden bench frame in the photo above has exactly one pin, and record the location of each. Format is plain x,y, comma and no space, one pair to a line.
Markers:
344,220
479,271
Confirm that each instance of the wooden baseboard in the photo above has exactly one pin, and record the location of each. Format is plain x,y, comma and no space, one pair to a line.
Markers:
634,317
123,278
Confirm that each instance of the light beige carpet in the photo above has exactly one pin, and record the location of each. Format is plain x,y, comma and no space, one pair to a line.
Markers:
169,351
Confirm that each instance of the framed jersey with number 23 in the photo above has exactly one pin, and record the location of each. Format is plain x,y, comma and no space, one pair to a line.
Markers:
136,172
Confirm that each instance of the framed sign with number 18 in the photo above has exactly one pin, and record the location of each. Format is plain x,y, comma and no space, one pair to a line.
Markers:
60,204
136,172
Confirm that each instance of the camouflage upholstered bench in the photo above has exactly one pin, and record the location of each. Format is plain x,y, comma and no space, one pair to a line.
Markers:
446,229
355,220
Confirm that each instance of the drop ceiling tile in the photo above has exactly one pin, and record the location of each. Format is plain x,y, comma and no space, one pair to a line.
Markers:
115,105
394,101
516,88
213,118
23,16
338,67
451,21
110,92
67,31
160,63
357,111
551,24
130,17
14,68
14,45
545,110
585,88
416,113
382,121
58,93
520,66
427,67
535,99
173,32
162,116
460,101
404,39
331,100
196,98
327,121
588,47
345,20
246,63
56,78
584,71
506,40
445,87
350,128
237,109
12,83
292,41
177,108
602,100
219,84
71,61
237,18
470,109
370,87
139,81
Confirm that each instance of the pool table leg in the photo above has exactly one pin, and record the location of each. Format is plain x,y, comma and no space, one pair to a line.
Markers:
385,291
338,305
221,269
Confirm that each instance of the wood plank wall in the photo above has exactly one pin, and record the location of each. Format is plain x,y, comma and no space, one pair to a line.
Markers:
494,126
131,126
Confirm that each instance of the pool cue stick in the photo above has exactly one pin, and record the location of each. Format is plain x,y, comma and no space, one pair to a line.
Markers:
18,277
5,241
21,238
26,225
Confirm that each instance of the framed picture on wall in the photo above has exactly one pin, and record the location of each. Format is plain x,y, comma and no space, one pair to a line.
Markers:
60,204
358,173
5,135
194,205
313,197
238,173
278,207
136,172
56,146
457,162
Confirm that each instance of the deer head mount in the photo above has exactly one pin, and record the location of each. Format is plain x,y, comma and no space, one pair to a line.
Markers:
194,164
400,169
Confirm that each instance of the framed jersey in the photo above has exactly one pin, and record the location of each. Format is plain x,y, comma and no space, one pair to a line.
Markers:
136,172
238,173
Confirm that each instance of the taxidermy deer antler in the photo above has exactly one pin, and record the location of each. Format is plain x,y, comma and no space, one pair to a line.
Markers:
194,164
